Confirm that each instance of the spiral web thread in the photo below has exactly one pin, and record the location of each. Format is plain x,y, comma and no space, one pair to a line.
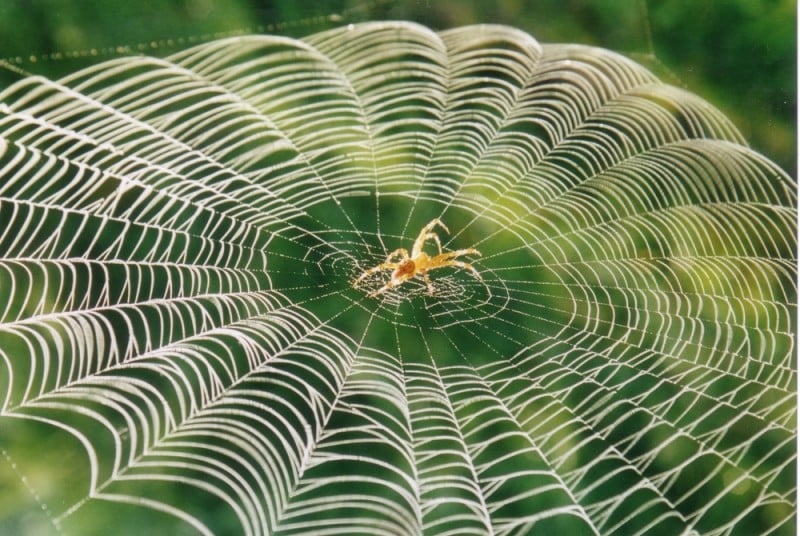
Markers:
180,237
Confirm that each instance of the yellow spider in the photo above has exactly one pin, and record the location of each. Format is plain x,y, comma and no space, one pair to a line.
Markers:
419,262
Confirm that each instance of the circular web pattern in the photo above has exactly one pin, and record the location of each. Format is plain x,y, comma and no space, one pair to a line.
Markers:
180,240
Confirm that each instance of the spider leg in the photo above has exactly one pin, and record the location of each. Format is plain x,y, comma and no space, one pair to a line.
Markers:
401,252
457,253
381,290
431,224
460,264
435,238
426,233
375,269
428,282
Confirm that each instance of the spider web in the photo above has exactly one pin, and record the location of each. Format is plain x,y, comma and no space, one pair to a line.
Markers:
181,236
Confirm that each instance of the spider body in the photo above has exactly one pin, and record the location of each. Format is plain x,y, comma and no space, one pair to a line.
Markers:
418,262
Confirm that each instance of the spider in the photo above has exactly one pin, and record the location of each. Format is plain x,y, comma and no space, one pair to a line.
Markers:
419,262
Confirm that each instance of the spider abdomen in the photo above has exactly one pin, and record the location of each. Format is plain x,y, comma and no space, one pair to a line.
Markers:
406,269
